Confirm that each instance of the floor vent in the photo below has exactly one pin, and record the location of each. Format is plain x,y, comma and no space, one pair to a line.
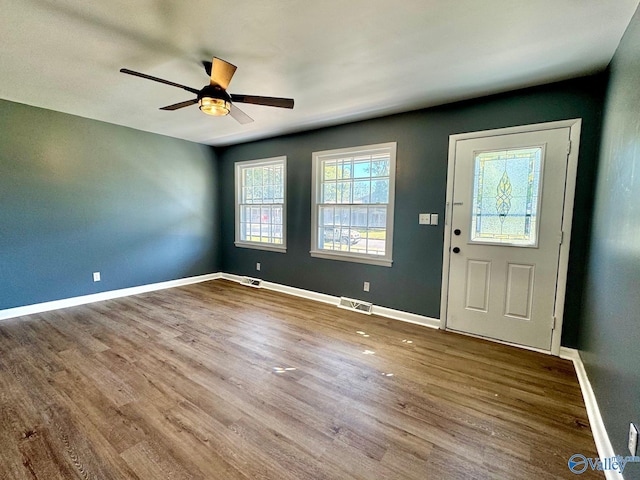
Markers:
355,305
251,282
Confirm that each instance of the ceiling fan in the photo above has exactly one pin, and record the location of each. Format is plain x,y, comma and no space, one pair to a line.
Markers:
213,99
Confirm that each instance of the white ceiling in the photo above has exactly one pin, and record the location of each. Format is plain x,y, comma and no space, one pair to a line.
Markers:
341,60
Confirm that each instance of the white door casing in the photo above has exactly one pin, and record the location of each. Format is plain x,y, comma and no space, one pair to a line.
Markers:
498,284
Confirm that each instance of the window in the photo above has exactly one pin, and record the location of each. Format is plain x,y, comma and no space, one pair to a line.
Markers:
353,195
260,204
506,197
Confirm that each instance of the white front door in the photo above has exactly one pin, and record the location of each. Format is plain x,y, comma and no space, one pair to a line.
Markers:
505,235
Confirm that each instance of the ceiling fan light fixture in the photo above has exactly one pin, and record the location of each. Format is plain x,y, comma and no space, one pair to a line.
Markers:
214,106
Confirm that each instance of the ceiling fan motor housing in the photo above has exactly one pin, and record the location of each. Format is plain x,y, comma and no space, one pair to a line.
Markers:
214,100
214,91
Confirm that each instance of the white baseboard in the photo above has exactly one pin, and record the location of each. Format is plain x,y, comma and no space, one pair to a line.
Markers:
600,436
330,299
298,292
98,297
406,317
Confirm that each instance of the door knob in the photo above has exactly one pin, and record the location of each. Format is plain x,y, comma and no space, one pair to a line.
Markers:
456,249
457,231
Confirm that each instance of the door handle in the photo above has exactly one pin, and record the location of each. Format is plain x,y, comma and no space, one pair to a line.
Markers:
456,249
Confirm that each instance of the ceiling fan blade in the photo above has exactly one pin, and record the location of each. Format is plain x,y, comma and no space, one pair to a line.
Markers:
176,106
268,101
160,80
207,67
221,72
239,115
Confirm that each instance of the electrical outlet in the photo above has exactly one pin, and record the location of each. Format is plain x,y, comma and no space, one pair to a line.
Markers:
366,286
633,439
424,219
258,266
96,276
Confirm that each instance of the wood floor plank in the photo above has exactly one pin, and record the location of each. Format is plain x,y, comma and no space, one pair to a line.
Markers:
106,417
220,381
152,461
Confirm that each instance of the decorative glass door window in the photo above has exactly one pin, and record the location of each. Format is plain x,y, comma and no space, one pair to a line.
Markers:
506,196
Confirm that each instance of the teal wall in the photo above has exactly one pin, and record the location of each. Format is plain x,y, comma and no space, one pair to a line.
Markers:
610,331
413,283
78,196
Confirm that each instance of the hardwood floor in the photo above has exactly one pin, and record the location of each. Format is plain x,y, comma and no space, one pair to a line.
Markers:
222,381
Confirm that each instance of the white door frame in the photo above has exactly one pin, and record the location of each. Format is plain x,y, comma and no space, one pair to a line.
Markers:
567,217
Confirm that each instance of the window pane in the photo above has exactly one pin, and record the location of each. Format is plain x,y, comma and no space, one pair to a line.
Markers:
268,175
265,232
342,216
329,194
362,168
359,217
343,191
376,241
347,170
326,216
361,191
328,239
380,191
276,215
255,215
329,170
380,168
276,227
377,217
279,194
506,196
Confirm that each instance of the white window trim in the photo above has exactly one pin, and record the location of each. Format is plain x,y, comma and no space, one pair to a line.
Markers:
317,157
257,245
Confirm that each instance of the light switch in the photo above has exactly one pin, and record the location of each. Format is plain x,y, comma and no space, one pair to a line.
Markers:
424,219
434,219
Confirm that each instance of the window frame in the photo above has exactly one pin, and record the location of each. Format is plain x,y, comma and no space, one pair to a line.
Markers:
262,162
385,260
